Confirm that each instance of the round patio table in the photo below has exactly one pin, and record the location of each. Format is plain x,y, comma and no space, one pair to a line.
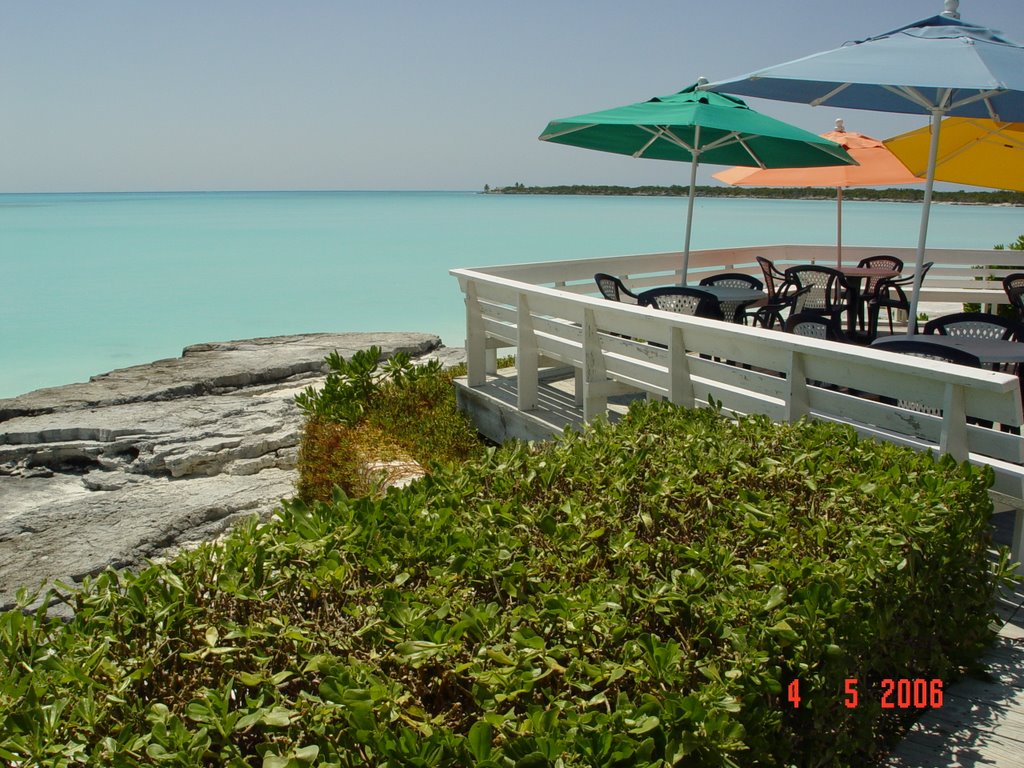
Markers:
988,351
854,275
732,298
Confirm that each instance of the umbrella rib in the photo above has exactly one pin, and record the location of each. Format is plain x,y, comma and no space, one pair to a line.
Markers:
657,132
661,132
749,151
945,103
822,99
993,115
913,95
984,96
987,133
729,138
999,129
910,94
733,137
566,132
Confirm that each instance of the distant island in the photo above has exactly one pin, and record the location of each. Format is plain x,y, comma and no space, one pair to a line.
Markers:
890,195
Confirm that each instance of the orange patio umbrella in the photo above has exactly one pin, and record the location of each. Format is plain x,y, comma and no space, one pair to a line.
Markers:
876,166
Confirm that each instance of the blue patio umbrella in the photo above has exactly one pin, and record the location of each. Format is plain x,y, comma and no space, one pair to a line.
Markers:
940,66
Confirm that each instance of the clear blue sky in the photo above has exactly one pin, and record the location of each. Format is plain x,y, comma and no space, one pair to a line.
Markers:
335,94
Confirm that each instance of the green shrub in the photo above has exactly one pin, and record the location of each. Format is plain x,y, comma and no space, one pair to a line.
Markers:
340,455
1004,310
423,416
636,595
371,413
353,385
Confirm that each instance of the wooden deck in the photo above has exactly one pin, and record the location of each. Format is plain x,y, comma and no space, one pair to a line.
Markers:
548,313
981,722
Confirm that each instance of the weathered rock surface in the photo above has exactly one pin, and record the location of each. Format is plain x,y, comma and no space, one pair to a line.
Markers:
141,461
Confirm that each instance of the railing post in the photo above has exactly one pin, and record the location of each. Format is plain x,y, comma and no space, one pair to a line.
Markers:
476,339
680,386
953,437
526,356
595,398
797,401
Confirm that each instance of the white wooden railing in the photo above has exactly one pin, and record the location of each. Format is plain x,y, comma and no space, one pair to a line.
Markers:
542,311
956,276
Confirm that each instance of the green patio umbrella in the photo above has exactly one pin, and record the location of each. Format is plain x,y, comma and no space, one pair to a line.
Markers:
693,127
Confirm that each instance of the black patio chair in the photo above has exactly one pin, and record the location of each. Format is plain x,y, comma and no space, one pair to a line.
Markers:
613,289
891,294
1013,285
881,261
976,325
735,310
980,325
686,301
789,300
829,293
919,347
816,326
774,278
869,287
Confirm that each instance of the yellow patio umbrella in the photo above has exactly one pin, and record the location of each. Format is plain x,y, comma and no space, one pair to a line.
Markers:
975,151
877,165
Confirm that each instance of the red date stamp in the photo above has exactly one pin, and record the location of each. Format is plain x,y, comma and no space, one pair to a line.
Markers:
897,693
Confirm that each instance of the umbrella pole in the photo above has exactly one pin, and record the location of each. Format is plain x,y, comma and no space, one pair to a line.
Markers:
922,237
839,226
689,207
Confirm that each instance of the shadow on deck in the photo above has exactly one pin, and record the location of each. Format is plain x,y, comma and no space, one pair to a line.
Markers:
981,721
493,406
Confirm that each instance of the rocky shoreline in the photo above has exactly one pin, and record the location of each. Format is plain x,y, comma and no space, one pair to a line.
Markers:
139,462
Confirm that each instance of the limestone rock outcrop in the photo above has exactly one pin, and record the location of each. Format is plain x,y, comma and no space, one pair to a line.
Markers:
138,462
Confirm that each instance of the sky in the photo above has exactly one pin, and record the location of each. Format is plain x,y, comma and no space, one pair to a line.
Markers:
123,95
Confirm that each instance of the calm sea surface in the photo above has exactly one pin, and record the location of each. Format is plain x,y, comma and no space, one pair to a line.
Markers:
93,282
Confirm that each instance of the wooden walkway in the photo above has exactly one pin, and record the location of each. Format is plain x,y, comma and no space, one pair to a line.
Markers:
981,721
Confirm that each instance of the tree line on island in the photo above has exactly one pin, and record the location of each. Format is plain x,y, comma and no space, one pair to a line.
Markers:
889,195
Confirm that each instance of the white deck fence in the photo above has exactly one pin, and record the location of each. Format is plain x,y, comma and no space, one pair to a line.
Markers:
549,315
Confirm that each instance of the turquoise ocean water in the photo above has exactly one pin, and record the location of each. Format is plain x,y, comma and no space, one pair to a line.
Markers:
93,282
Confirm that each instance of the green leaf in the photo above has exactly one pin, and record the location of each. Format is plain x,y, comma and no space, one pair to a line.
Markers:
413,650
479,740
278,717
500,656
307,755
776,596
533,760
282,676
645,724
784,631
250,679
